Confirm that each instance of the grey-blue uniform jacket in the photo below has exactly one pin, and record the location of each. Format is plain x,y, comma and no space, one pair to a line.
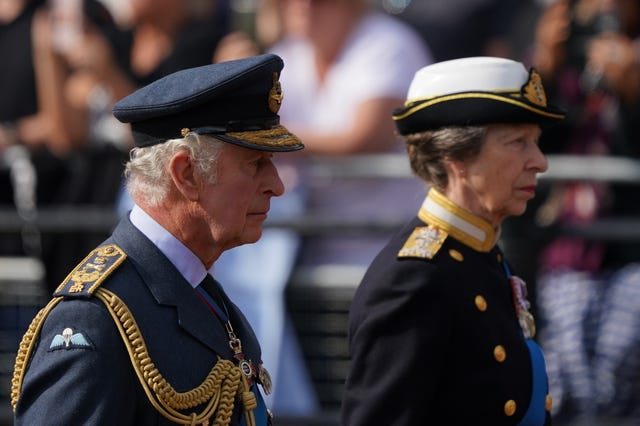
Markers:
89,379
434,336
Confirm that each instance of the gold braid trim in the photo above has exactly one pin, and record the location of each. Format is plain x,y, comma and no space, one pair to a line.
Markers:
224,382
26,349
278,136
218,390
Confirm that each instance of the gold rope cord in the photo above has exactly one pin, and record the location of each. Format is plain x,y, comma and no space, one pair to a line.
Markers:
219,389
26,348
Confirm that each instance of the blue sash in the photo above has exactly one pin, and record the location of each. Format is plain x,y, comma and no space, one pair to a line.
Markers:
536,413
260,413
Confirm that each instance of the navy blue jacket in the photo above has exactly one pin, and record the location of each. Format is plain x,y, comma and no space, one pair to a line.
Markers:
96,384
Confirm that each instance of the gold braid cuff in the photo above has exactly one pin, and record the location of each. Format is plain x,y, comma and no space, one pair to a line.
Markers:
224,383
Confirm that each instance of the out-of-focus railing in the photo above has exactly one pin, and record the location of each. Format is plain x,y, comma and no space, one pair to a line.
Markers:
323,293
81,218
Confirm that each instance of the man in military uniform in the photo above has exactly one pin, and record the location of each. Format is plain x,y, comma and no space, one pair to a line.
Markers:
140,332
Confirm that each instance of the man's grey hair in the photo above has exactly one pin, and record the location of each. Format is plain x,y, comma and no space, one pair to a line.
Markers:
146,172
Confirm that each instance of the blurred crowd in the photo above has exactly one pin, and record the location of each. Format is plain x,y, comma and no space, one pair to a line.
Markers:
348,64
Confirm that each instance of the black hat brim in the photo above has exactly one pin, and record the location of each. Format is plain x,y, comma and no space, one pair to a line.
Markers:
472,109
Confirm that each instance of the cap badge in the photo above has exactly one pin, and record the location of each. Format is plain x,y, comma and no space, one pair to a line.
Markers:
533,90
275,94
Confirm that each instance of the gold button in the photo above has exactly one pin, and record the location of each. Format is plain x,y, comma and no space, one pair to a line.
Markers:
499,353
510,407
456,255
481,303
548,403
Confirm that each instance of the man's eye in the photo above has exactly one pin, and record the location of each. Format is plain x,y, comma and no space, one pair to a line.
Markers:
262,160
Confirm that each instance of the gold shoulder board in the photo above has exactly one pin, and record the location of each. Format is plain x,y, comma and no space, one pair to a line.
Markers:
424,242
91,272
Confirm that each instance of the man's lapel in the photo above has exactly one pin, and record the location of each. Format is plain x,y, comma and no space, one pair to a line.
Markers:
169,288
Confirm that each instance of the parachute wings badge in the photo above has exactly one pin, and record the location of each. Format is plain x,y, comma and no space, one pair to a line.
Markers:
69,340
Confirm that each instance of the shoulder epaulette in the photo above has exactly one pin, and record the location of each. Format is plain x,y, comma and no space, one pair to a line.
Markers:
91,272
424,242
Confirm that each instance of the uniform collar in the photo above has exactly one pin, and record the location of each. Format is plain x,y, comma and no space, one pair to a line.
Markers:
461,224
184,260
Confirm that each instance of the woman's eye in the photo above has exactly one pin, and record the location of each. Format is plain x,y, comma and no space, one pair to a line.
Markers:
519,141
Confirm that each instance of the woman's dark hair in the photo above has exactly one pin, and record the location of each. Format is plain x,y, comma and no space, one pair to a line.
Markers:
428,151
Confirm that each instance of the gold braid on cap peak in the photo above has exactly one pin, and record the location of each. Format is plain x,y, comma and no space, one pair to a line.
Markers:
278,136
218,391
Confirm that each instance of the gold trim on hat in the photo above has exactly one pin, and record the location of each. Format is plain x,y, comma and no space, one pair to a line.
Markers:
276,137
477,95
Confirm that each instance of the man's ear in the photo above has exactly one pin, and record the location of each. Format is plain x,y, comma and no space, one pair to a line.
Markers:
184,175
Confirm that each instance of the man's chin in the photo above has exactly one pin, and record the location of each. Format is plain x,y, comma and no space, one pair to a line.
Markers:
251,237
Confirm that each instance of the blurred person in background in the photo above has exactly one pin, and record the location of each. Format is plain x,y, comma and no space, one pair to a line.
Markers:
156,38
440,330
588,53
19,101
347,67
463,28
48,130
81,59
357,64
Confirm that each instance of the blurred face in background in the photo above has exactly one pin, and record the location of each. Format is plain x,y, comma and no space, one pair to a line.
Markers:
316,18
156,10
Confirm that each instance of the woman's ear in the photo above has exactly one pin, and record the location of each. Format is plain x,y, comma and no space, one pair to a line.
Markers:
184,175
455,169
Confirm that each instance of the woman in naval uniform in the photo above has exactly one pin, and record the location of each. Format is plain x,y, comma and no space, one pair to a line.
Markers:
440,331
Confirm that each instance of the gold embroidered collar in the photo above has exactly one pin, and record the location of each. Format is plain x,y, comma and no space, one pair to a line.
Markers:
461,224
